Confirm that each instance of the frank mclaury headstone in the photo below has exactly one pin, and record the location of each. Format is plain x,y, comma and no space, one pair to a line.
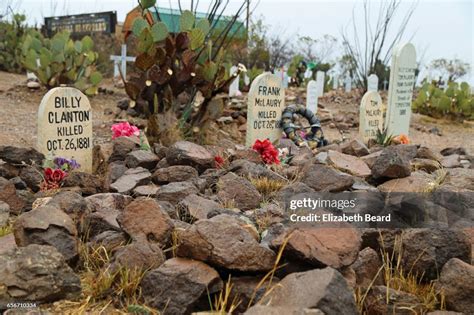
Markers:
370,116
402,80
65,126
266,100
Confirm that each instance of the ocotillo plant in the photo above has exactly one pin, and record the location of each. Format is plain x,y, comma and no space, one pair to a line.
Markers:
190,61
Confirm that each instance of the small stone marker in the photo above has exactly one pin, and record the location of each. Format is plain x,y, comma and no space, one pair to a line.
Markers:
402,79
234,86
312,96
65,126
385,83
283,75
320,77
370,116
122,60
266,100
335,82
348,84
373,83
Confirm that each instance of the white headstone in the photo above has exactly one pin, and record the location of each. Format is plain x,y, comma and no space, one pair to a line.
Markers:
122,61
348,84
246,79
402,79
373,83
320,83
308,74
385,83
65,126
234,86
370,116
266,100
312,96
335,82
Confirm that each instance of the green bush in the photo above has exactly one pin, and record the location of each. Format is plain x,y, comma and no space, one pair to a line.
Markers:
456,102
11,40
61,60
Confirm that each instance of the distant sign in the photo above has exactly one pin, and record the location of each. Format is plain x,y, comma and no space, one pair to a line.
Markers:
82,24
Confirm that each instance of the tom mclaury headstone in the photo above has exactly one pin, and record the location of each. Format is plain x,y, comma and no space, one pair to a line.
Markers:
312,96
266,100
65,126
370,116
402,80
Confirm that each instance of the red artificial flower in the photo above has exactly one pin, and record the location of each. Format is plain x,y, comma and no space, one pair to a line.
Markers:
267,151
219,161
58,175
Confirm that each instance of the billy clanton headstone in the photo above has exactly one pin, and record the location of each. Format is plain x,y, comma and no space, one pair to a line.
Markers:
65,126
370,116
402,80
266,100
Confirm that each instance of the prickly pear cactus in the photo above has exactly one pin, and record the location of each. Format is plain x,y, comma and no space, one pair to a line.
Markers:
170,65
60,60
456,102
12,34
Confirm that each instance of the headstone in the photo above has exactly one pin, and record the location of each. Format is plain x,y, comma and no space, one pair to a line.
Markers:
283,75
320,77
402,79
246,79
65,126
370,116
385,83
308,74
122,61
335,82
266,100
373,83
348,84
312,96
234,86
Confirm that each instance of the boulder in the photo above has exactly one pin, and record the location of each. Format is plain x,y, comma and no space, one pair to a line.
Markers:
17,155
324,178
249,289
104,210
48,225
89,184
324,289
141,158
180,286
71,203
366,268
115,170
425,251
176,173
348,163
354,147
319,246
140,255
37,274
7,242
451,161
371,158
460,178
188,153
18,182
121,147
143,219
224,241
278,310
417,182
31,175
110,240
146,191
285,194
131,179
194,207
382,300
457,284
4,213
8,194
235,189
427,153
7,170
249,169
451,151
393,162
175,192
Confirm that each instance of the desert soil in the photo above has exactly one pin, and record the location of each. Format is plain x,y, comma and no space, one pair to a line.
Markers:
19,105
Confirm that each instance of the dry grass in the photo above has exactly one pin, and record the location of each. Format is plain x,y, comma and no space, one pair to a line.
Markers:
263,221
222,303
395,277
8,229
267,187
440,177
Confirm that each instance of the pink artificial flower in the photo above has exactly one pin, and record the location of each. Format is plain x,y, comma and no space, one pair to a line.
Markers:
124,129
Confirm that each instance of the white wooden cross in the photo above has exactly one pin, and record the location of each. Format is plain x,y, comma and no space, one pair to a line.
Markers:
122,60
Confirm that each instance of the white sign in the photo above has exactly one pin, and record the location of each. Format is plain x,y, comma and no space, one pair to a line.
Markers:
370,116
266,100
402,79
65,126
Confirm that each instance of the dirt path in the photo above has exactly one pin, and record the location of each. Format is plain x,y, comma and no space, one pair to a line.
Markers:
19,105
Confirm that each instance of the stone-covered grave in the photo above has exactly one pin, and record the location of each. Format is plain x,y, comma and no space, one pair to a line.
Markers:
189,221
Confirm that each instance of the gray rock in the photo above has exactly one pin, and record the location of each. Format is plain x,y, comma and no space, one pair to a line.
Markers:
175,192
279,310
175,173
4,213
250,169
188,153
37,274
139,255
146,191
89,184
130,179
195,207
235,189
141,158
31,175
180,286
324,178
121,147
393,162
382,300
18,182
17,155
9,195
366,268
355,147
457,284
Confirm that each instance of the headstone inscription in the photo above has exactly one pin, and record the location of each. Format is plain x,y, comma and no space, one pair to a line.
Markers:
234,85
122,61
312,96
348,84
266,100
65,126
402,80
370,116
373,83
